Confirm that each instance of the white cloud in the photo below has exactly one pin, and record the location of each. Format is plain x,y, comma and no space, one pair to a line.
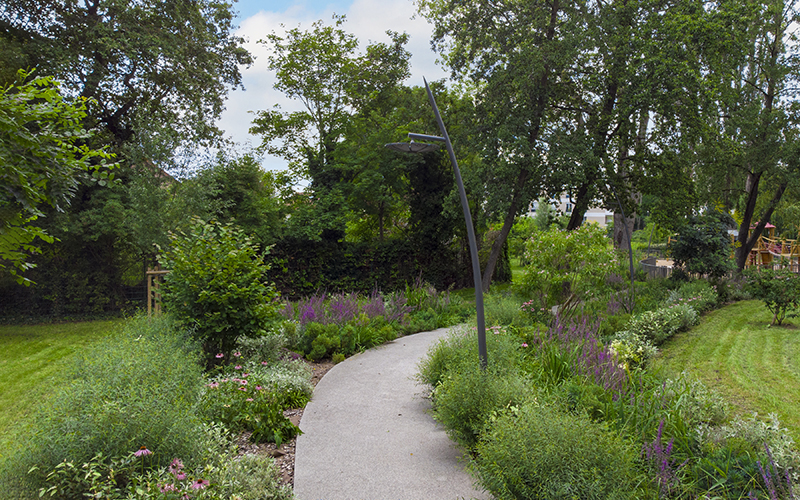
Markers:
368,20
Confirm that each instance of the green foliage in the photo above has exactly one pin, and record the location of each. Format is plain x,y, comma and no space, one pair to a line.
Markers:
43,157
107,52
242,194
661,324
136,388
632,350
468,400
694,402
699,294
537,452
779,289
522,230
251,395
562,264
217,285
703,246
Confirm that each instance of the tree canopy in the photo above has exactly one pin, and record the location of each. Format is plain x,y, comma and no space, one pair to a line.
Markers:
43,158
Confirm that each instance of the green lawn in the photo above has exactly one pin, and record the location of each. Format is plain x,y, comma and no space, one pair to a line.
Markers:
754,365
32,358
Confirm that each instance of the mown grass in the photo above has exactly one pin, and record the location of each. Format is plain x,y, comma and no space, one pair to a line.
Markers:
32,358
755,366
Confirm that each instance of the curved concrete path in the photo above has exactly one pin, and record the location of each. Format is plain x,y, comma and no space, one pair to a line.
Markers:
368,435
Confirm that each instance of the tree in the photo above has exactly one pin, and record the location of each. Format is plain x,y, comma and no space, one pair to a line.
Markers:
150,67
322,69
749,150
43,158
517,54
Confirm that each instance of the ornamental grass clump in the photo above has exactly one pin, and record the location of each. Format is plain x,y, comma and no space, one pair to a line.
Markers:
536,451
138,387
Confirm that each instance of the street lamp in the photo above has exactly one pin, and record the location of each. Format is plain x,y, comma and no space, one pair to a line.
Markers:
415,147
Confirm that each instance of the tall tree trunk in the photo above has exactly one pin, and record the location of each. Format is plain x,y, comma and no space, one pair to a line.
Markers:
747,243
508,223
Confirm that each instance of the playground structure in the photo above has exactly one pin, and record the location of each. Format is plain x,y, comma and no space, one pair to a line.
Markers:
770,251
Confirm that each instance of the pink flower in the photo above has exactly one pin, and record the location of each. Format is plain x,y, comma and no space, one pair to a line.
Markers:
220,355
243,382
249,399
237,354
245,375
175,466
213,384
264,363
199,484
142,452
258,387
242,388
524,344
237,367
168,487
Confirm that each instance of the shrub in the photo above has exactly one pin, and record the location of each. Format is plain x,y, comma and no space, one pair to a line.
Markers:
466,401
632,350
136,388
252,396
756,433
779,289
699,294
503,309
216,285
661,324
537,452
703,246
267,347
458,351
693,401
566,263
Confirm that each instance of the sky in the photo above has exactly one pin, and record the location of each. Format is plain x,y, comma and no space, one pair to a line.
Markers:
368,20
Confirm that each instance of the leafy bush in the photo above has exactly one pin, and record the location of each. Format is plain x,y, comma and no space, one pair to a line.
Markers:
699,294
661,324
756,433
632,350
779,289
703,246
267,347
458,351
136,388
566,263
693,401
538,452
467,400
504,309
216,285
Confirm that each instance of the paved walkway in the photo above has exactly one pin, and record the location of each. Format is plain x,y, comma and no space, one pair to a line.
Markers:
368,435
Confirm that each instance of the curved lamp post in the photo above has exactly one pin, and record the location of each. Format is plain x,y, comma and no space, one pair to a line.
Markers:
416,147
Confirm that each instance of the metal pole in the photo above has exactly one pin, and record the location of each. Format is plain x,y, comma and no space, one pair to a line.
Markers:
473,247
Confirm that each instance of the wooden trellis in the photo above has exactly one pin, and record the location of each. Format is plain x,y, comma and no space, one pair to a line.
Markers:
154,277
